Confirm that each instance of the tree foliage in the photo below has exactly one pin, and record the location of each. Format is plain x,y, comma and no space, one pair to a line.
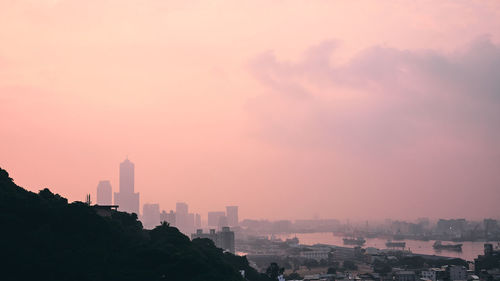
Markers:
273,271
45,238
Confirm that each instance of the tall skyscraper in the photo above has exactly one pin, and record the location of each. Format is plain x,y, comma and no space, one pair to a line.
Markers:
150,215
181,217
232,215
104,193
127,200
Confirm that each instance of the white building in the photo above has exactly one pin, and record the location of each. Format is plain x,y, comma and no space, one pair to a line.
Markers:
433,274
315,254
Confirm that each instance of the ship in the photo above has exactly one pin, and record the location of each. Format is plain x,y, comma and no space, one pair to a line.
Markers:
354,241
391,244
451,247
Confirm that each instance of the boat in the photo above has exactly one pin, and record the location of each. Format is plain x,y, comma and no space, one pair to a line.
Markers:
391,244
354,241
438,245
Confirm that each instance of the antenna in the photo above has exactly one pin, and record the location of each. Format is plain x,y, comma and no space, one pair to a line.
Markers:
87,199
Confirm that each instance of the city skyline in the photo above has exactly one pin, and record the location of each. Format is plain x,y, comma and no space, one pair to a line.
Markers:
318,109
188,222
250,140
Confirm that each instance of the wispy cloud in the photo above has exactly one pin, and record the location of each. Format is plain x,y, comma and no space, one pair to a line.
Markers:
406,95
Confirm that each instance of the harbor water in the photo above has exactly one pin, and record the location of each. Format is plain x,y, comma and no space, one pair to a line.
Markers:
470,250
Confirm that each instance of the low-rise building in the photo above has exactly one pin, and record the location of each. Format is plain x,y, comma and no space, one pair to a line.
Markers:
223,239
315,254
405,275
458,272
433,274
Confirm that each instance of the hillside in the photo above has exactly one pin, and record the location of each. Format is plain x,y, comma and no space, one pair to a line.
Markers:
43,237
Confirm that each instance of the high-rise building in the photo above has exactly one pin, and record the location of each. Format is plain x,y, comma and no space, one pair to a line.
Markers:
223,239
190,224
168,217
222,222
197,221
226,239
214,218
181,217
127,200
232,215
104,193
150,215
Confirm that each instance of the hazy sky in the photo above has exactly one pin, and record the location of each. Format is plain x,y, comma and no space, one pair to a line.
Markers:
289,109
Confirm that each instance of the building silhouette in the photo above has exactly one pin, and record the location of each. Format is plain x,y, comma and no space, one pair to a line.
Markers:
232,215
223,239
181,216
168,217
126,198
213,218
222,222
197,221
150,215
104,193
190,223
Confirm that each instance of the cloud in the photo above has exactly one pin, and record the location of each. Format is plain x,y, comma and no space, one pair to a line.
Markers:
382,99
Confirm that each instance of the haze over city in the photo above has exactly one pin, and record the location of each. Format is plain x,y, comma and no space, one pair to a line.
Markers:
287,109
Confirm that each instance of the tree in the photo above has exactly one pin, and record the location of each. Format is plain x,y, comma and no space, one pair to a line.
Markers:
381,267
273,271
71,241
350,265
310,263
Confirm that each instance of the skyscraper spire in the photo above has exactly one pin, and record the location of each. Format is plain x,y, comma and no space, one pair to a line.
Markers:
126,198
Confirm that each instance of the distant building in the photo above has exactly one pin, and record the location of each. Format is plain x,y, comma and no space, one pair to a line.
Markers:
489,261
168,217
104,193
181,216
458,273
127,199
434,274
226,239
405,276
232,215
150,215
222,222
190,224
223,239
214,218
452,226
197,221
315,254
490,226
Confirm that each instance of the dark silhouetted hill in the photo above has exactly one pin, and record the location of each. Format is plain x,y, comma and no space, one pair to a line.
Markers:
45,238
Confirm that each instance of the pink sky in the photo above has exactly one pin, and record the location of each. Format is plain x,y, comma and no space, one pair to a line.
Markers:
289,109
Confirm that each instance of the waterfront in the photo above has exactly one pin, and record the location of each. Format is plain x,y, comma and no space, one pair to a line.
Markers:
470,250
